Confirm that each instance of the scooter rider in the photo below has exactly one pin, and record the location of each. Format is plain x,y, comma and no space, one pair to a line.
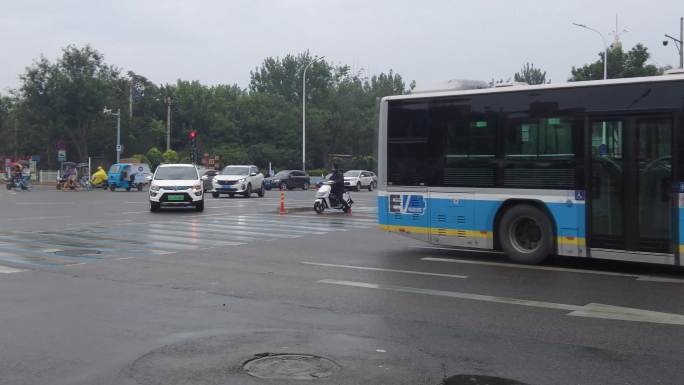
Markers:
99,177
337,189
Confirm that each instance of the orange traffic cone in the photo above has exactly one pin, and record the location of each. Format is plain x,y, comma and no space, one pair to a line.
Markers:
282,202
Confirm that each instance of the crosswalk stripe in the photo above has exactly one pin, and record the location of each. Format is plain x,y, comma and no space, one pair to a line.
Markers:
311,226
263,226
195,237
9,270
226,230
179,242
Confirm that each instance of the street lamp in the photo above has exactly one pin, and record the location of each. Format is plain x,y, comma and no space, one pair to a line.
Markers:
605,58
109,112
678,42
315,59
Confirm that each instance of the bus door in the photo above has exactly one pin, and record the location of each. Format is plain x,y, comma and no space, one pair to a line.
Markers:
630,187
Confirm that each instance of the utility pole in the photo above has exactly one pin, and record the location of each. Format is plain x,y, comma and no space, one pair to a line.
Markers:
605,45
16,138
169,103
130,99
119,149
304,110
678,42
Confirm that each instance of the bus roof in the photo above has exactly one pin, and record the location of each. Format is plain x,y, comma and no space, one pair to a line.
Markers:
588,83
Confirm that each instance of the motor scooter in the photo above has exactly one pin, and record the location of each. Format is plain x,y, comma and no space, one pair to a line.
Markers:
324,200
16,182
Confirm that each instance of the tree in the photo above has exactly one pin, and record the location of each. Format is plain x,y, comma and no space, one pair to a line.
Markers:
65,99
530,75
155,157
170,156
620,65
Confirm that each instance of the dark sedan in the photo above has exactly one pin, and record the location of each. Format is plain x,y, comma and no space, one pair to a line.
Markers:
288,179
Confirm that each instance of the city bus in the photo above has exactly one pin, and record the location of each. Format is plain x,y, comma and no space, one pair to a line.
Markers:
585,169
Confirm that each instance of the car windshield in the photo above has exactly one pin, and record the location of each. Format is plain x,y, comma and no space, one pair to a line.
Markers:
235,170
282,174
352,173
175,173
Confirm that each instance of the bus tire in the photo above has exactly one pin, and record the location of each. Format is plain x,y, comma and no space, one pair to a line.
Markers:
526,234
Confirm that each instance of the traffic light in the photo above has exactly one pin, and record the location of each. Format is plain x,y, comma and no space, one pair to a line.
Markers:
193,141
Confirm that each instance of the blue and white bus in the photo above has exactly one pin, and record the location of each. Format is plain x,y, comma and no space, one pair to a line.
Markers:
585,169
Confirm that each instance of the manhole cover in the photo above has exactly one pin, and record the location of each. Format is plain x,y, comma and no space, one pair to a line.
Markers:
471,379
290,366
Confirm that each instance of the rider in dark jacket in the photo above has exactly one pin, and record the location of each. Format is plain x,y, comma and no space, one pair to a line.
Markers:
338,186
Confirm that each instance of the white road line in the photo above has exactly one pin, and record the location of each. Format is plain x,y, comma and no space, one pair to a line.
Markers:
456,249
386,270
645,278
9,270
75,264
37,218
44,203
591,310
124,258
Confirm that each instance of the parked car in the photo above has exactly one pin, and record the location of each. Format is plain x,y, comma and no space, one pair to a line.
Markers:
207,178
358,179
176,185
238,179
289,179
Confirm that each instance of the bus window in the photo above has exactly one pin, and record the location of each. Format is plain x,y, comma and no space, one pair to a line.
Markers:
549,138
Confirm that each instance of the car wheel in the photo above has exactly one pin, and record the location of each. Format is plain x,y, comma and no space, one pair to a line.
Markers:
215,195
318,207
306,186
140,187
154,206
199,206
283,186
261,191
112,187
248,192
370,186
358,186
526,234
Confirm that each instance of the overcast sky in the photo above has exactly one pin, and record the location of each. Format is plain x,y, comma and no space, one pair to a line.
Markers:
427,41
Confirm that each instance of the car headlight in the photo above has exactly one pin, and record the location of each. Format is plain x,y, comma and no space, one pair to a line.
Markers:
154,187
197,188
242,180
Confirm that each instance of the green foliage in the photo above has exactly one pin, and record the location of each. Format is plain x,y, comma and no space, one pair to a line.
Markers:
63,101
620,65
170,156
140,158
530,75
155,157
318,172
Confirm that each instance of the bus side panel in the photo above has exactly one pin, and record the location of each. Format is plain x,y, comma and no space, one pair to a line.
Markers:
570,225
456,221
406,213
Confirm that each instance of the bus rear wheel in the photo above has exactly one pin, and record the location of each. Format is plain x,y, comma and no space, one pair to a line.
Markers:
526,234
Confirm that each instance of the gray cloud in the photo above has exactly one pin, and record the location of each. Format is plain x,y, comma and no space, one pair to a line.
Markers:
427,41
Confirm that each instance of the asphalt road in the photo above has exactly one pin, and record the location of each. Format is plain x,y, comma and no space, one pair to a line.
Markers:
95,289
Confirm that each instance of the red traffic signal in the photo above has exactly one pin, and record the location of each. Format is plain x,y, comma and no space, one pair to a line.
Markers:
193,134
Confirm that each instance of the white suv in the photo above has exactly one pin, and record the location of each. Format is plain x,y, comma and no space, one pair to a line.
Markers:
176,185
243,180
358,179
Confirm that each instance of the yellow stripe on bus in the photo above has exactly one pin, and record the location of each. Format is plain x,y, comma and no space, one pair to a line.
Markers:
563,240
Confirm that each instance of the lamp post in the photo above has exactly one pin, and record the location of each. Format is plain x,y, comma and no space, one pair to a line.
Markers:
304,110
107,111
678,42
605,45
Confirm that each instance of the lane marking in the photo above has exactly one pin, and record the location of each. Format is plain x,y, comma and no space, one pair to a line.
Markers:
645,278
591,310
44,203
386,270
457,249
9,270
36,218
75,264
124,258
